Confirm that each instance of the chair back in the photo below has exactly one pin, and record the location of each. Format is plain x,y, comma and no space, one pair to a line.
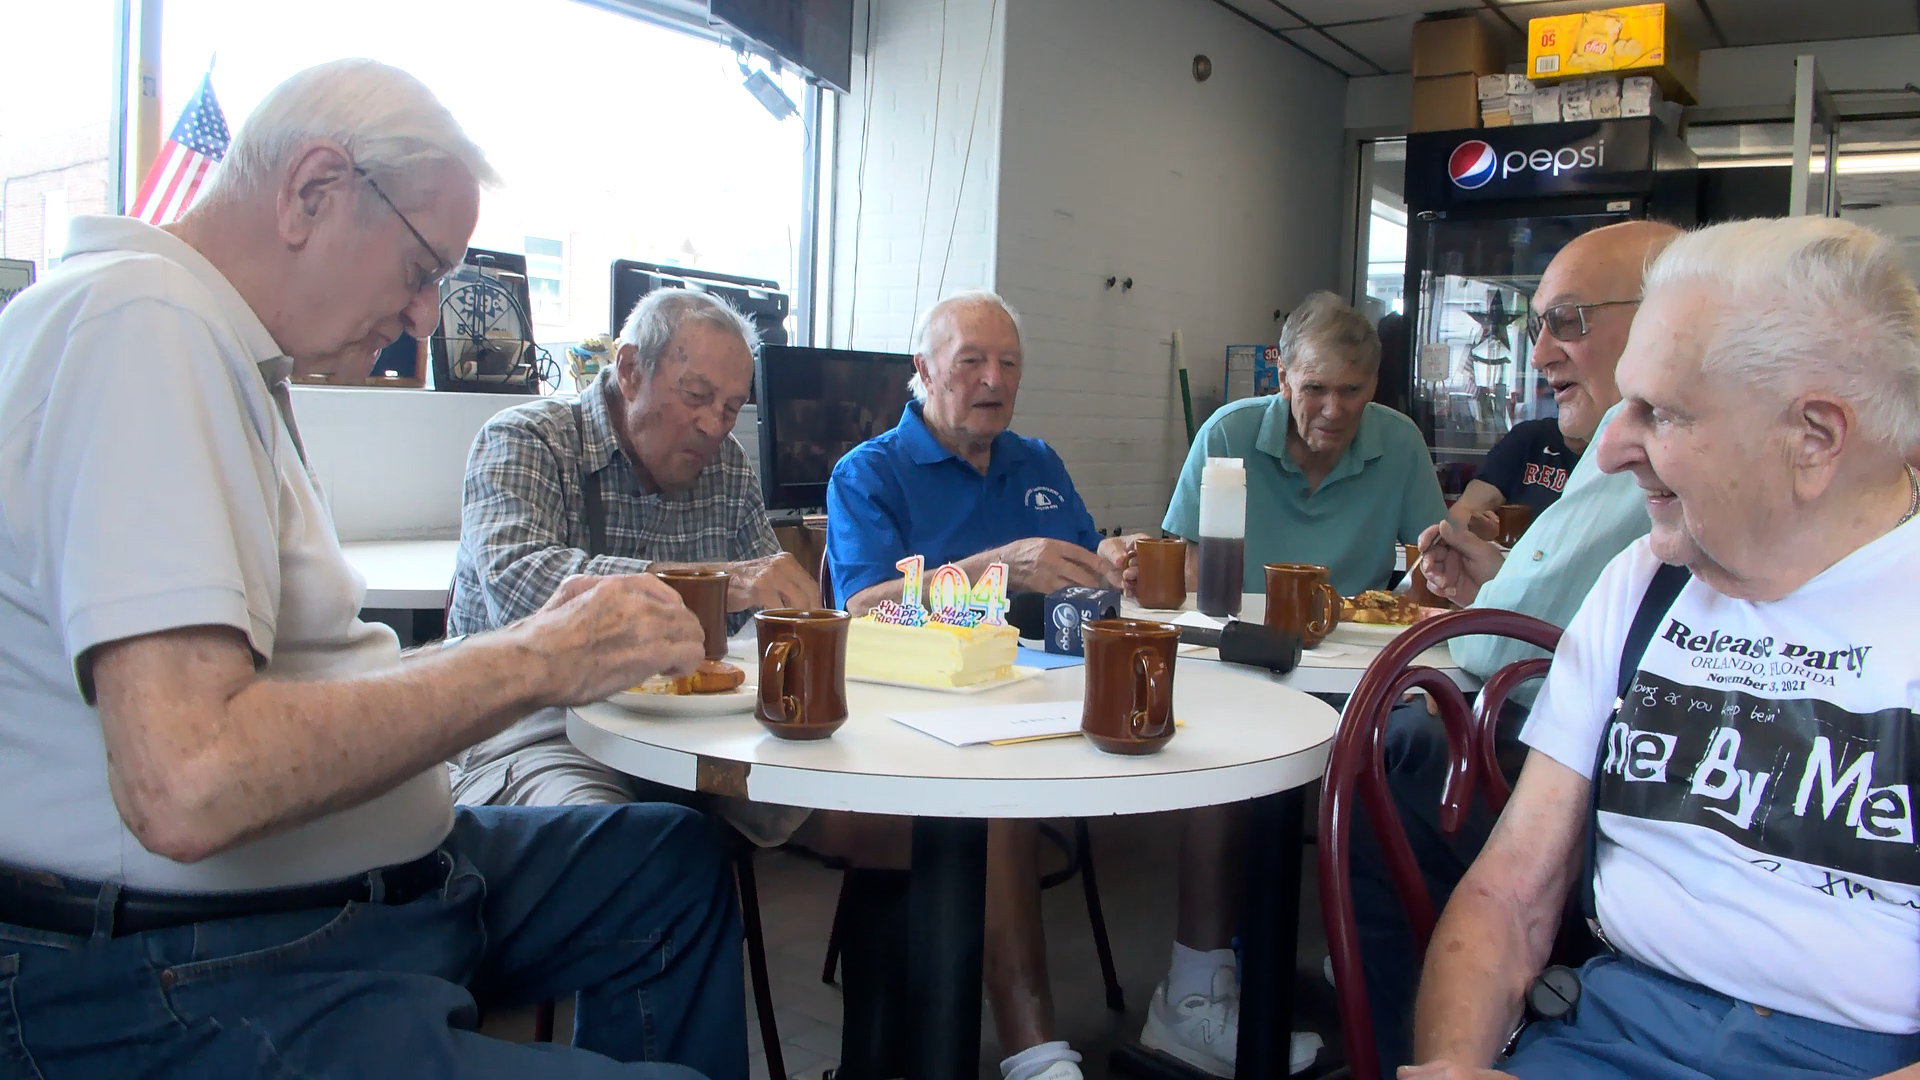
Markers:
1355,771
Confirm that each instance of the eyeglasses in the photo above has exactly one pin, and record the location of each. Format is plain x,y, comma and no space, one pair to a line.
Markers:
441,267
1566,322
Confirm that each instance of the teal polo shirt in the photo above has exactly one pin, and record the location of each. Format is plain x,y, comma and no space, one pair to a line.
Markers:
1382,491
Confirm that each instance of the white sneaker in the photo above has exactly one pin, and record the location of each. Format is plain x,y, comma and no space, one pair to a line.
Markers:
1061,1070
1203,1032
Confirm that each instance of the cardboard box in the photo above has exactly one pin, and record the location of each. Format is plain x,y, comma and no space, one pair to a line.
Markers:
1495,118
1546,105
1604,92
1492,86
1637,95
1461,45
1445,102
1637,39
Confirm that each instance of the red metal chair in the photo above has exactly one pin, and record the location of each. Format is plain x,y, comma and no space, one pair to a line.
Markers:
1355,771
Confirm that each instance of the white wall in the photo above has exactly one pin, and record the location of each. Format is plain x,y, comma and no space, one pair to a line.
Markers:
1220,199
891,237
391,461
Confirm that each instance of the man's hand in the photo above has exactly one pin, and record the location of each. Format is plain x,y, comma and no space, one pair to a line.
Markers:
603,634
1118,552
1456,562
777,581
1040,565
1447,1070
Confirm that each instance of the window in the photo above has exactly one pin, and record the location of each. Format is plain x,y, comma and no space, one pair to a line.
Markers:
1382,234
545,272
617,138
54,122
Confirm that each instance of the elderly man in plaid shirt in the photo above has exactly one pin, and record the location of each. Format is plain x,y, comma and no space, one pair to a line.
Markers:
640,474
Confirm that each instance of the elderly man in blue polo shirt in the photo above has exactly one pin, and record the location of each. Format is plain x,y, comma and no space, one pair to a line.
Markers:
951,483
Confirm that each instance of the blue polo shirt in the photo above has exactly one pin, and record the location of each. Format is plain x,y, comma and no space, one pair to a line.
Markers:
901,493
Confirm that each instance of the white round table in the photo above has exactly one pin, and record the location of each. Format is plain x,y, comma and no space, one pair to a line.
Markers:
1332,668
1243,737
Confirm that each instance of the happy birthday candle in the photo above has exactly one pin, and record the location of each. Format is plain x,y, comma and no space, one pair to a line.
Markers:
989,595
948,587
910,568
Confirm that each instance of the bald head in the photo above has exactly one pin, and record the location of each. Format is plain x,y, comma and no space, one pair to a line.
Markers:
1592,288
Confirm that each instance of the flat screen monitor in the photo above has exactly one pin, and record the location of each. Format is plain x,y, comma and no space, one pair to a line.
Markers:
757,298
813,35
815,405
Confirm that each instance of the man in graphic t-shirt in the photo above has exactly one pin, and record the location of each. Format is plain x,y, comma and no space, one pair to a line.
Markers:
1757,881
1527,467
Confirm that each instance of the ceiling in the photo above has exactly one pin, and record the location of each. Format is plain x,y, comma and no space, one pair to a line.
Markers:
1370,37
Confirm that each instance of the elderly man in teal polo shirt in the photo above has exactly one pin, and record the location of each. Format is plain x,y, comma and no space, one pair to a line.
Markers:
1332,478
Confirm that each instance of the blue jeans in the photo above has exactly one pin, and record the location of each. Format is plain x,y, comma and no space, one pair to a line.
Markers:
1415,749
1634,1023
631,906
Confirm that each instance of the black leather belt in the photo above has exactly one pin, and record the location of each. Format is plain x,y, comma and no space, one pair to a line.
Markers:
60,905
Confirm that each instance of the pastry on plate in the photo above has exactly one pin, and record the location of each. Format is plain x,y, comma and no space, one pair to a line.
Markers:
1380,608
711,677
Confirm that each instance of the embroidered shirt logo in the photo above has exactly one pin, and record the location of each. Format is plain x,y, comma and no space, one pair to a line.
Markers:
1043,498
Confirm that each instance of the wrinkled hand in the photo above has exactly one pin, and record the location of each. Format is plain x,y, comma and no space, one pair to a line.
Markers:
603,634
1118,551
1040,565
1456,563
777,581
1447,1070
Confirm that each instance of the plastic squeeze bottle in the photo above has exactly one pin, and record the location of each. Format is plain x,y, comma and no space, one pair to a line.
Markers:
1223,535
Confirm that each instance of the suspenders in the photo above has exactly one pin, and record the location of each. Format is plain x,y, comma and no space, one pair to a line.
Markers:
1555,993
594,511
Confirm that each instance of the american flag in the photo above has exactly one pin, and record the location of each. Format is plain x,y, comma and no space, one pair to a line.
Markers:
198,142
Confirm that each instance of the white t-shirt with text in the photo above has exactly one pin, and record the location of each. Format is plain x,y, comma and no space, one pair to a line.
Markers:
1756,816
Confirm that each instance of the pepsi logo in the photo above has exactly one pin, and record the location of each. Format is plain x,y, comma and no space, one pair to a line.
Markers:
1472,164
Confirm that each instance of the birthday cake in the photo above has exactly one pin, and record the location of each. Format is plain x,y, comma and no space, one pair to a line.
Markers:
949,647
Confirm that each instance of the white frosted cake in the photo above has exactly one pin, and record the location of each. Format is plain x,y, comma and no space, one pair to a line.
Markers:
910,645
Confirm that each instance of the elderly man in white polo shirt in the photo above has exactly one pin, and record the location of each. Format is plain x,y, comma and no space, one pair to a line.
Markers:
227,846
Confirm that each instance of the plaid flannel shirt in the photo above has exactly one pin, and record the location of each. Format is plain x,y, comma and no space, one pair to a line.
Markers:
523,526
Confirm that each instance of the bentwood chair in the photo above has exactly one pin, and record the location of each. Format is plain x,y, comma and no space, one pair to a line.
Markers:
1356,774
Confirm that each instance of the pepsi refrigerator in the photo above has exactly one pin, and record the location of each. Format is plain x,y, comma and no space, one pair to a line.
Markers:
1487,210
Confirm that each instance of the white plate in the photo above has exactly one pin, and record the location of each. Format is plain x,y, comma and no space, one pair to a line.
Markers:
737,700
1020,674
1366,633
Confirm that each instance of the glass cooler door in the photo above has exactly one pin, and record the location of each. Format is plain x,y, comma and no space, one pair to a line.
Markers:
1473,376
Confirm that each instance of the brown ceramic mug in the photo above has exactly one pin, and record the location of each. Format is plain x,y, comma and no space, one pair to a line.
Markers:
803,672
1294,592
1128,707
705,594
1418,589
1514,519
1162,567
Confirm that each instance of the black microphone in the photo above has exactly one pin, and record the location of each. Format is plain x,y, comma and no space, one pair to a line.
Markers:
1251,644
1027,614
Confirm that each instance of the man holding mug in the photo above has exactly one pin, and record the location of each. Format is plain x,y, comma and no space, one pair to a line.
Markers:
641,474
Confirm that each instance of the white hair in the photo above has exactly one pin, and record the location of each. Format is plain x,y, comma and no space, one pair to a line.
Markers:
923,326
386,120
660,314
1808,303
1329,325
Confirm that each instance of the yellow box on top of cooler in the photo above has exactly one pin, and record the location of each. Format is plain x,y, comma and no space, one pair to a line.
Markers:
1630,40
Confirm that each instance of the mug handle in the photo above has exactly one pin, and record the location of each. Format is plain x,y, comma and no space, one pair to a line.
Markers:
1331,600
782,655
1152,716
